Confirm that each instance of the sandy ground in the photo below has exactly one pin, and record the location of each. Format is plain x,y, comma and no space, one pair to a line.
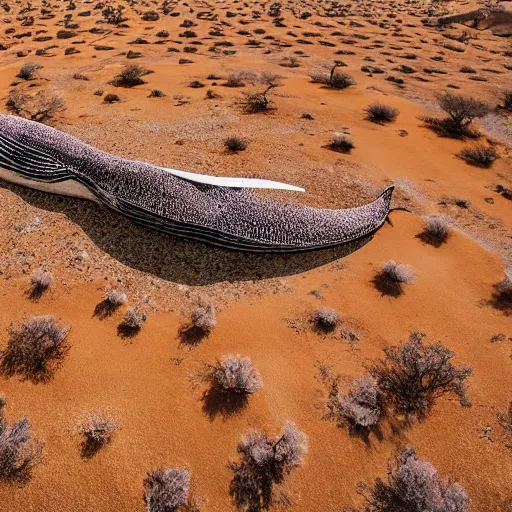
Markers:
263,302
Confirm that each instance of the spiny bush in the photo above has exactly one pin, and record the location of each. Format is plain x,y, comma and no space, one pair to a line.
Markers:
41,108
507,99
166,489
28,71
203,318
40,280
115,298
333,80
502,297
392,276
360,408
325,319
235,144
341,143
257,102
111,98
479,155
435,232
132,323
233,373
414,485
130,76
412,376
156,93
378,113
33,346
97,430
264,464
240,79
19,450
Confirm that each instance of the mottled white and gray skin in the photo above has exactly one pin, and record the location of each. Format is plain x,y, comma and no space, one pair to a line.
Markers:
37,156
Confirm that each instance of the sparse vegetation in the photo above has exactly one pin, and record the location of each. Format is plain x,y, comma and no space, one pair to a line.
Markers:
507,99
156,93
20,451
502,297
41,108
479,155
341,143
130,76
240,79
132,322
111,98
33,348
325,319
412,376
97,430
414,485
28,71
203,318
264,465
392,276
113,299
235,144
378,113
435,232
166,490
334,79
40,280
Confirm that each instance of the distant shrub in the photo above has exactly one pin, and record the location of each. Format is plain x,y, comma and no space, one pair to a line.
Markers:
435,232
334,80
97,430
111,98
132,322
257,102
33,346
166,490
41,108
507,99
28,71
235,144
378,113
502,297
234,373
114,15
130,76
467,69
341,143
150,16
240,79
414,485
413,376
265,463
196,84
80,76
505,419
479,155
41,280
325,319
156,93
392,276
19,450
290,62
360,408
211,95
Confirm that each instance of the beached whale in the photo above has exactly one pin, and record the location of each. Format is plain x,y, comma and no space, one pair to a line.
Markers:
215,210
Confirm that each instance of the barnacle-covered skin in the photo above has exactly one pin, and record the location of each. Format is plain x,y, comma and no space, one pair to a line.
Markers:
149,195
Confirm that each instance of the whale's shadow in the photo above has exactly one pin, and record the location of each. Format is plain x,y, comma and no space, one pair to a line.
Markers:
174,259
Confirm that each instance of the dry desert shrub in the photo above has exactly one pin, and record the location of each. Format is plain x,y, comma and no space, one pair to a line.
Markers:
412,376
166,489
381,114
28,71
34,347
130,76
240,79
325,319
502,296
334,79
40,280
235,144
111,98
132,322
435,232
19,450
414,485
263,467
479,155
360,408
391,278
114,14
341,143
201,324
156,93
507,99
41,108
462,111
257,102
113,299
96,430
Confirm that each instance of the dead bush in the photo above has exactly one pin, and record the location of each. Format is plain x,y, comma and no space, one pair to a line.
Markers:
414,485
96,430
40,280
34,347
502,296
479,156
132,323
28,71
130,76
240,79
325,319
113,299
263,467
435,232
333,80
341,143
202,322
156,93
235,144
507,99
166,490
412,376
391,277
41,108
360,408
111,98
233,373
20,451
381,114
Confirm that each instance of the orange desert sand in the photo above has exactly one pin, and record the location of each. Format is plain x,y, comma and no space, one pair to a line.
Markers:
263,302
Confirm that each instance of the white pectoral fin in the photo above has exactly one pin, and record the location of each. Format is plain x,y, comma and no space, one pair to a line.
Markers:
219,181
